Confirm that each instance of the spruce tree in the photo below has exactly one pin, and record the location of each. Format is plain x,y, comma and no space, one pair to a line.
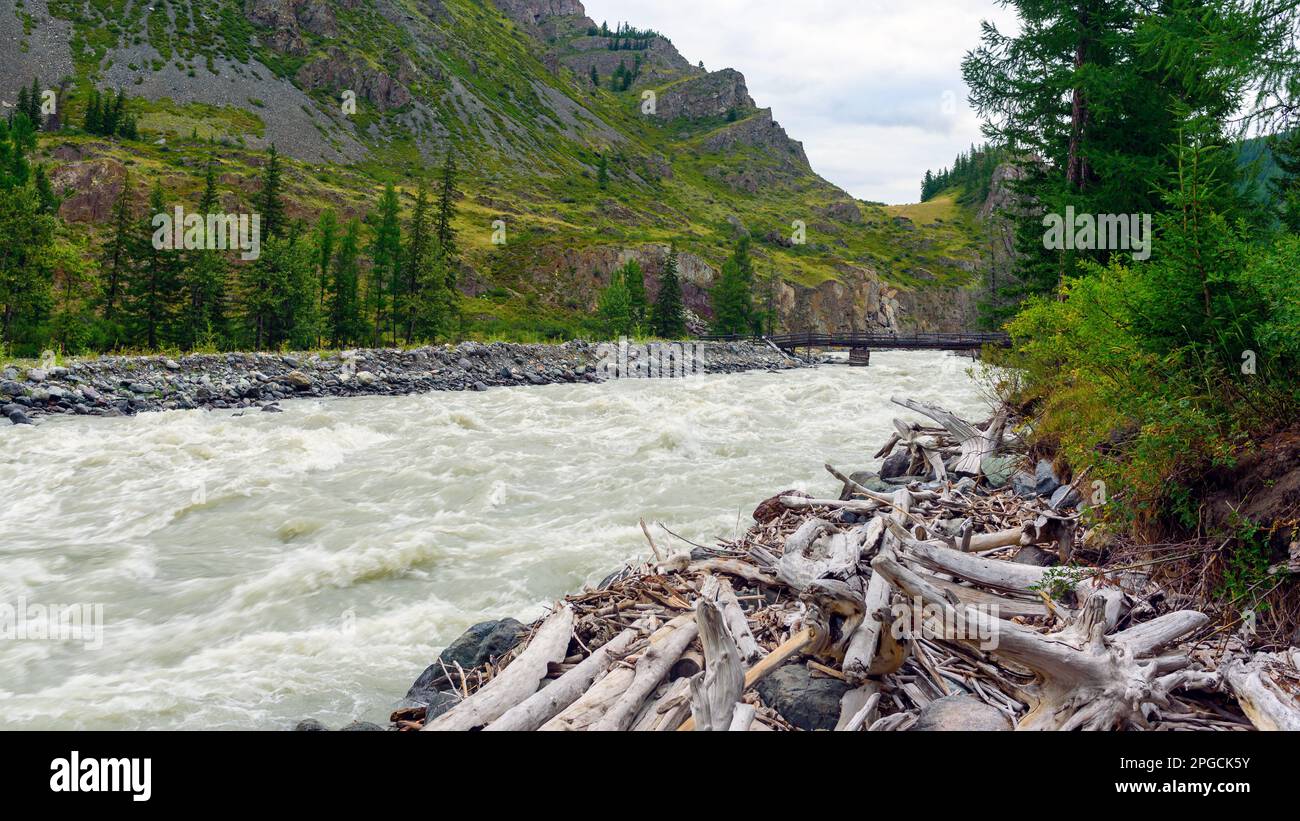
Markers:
385,263
151,288
21,107
115,260
94,114
269,201
345,324
668,318
327,236
203,315
732,310
417,259
634,279
27,235
602,172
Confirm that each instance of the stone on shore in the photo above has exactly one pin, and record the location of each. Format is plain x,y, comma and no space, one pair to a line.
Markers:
477,645
808,702
961,713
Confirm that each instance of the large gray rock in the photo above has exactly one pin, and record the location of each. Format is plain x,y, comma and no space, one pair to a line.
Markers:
961,713
310,725
1065,498
807,702
895,464
477,645
1037,557
1024,484
997,470
1045,478
362,727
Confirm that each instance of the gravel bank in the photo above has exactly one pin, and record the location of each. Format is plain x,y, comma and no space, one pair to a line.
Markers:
123,386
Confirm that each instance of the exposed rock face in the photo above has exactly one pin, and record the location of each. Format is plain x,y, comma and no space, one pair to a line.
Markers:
535,12
712,95
843,211
288,18
92,187
339,71
760,131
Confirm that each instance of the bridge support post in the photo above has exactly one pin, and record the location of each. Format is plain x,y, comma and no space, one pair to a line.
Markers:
860,357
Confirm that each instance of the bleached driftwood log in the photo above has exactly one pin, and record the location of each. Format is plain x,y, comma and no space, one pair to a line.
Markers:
593,704
1102,683
668,711
519,680
734,567
1258,685
866,654
715,692
975,444
864,717
650,670
718,589
1006,577
547,702
742,718
833,556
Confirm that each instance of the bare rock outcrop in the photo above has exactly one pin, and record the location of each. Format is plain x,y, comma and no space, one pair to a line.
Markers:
337,70
715,94
759,131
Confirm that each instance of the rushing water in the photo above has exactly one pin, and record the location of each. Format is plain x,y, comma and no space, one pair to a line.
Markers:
255,570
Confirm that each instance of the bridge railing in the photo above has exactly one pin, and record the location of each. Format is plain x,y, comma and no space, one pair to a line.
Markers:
885,341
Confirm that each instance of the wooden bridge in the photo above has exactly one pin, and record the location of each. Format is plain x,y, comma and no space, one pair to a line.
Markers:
860,345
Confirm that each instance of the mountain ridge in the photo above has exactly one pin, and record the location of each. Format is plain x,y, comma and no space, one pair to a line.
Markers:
509,86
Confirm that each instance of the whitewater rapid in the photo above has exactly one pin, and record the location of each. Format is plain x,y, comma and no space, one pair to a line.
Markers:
257,569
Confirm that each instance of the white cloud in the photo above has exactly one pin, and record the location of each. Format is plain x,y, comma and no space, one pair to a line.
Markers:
872,88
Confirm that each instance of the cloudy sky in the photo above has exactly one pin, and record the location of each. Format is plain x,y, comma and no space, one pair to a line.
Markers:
872,88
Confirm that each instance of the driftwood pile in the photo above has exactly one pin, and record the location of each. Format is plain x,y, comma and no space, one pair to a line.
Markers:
906,596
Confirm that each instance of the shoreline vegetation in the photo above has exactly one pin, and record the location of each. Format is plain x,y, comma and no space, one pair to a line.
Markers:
961,586
127,385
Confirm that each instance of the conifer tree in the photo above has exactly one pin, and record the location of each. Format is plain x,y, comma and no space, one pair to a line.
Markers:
115,260
26,240
269,201
94,114
327,235
668,318
634,279
203,315
385,263
345,324
417,260
152,284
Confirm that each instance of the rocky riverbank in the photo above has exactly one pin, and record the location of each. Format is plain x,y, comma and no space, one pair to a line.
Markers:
123,386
